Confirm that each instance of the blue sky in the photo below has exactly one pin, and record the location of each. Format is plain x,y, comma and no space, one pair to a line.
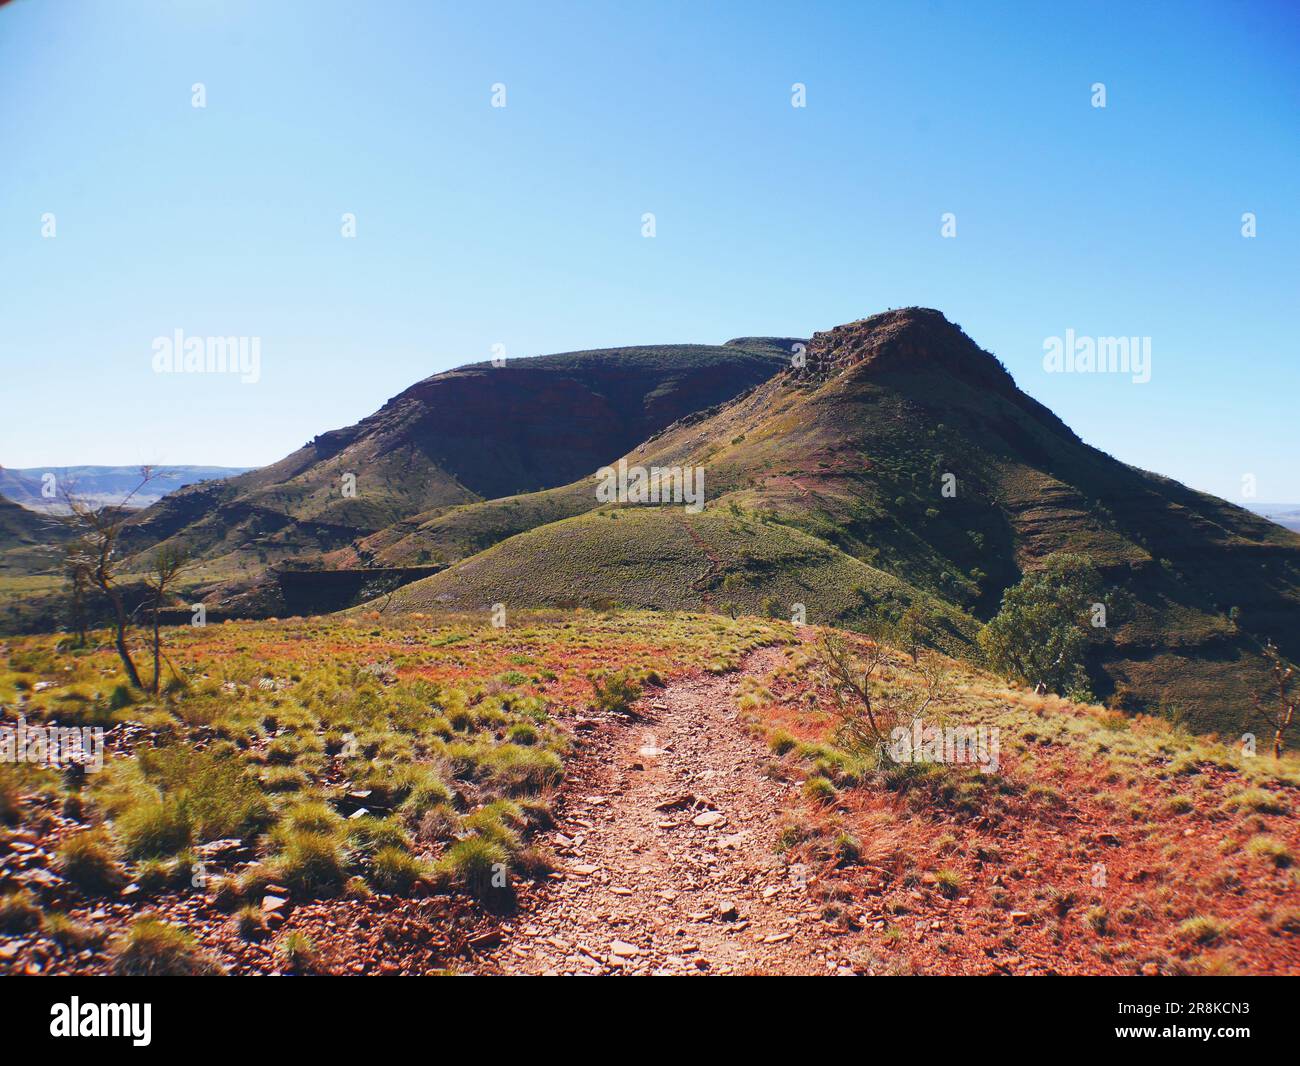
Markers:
522,225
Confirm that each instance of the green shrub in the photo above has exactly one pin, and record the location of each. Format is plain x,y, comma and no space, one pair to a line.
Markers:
1041,634
152,948
615,692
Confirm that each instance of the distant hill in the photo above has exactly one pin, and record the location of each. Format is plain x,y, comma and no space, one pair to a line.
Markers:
101,485
29,542
456,438
841,464
1284,514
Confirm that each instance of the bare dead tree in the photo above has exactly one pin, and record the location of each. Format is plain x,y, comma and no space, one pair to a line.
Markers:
1280,711
165,568
868,718
96,553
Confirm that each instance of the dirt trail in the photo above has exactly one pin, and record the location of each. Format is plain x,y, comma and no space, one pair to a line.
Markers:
666,837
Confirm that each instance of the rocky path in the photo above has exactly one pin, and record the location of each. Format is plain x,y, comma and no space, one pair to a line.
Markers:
667,840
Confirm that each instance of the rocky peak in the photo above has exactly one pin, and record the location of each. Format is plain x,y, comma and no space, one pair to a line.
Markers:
910,338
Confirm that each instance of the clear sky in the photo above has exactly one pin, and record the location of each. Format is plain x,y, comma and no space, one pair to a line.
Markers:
522,225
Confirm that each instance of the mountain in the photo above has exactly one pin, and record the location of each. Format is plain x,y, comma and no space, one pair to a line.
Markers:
826,488
101,485
456,438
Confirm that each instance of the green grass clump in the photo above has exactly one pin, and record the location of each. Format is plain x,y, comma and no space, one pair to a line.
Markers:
72,934
948,882
1270,848
1260,801
19,913
819,790
515,770
1203,930
781,742
500,822
311,816
394,871
153,948
250,922
427,792
89,860
298,952
10,800
847,849
153,830
311,864
369,835
474,864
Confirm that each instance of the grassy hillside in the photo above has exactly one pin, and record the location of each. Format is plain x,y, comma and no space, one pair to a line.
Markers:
671,561
1100,844
334,795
